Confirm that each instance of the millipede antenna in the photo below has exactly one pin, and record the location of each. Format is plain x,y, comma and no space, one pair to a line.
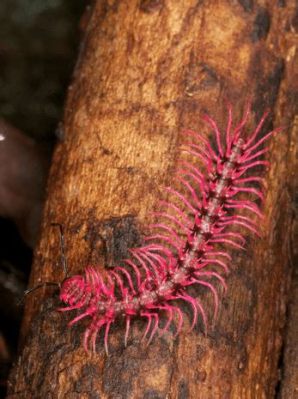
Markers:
62,246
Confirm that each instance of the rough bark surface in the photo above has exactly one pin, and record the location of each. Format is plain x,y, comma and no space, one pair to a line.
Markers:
147,69
289,383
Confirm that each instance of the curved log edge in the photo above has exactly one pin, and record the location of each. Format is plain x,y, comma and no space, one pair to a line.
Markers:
146,70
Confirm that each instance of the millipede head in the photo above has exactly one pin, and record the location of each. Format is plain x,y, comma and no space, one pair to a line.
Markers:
72,289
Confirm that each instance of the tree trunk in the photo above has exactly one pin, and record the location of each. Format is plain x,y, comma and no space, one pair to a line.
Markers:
289,383
147,69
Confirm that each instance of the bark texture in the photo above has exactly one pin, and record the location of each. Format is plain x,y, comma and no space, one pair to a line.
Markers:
289,383
146,70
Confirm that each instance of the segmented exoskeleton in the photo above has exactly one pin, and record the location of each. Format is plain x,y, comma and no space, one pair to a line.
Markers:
189,244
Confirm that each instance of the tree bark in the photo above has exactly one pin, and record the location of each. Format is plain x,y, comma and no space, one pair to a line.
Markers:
289,383
146,70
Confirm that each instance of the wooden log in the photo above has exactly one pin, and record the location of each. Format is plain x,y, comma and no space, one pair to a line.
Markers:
289,372
147,69
289,360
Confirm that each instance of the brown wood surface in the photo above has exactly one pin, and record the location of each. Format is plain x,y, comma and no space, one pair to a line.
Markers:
289,383
146,70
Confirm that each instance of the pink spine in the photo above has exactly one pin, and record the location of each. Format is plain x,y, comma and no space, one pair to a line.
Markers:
190,242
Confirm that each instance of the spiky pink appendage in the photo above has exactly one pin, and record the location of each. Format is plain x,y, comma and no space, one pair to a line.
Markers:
188,248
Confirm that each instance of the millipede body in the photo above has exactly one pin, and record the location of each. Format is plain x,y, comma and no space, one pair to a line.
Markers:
190,241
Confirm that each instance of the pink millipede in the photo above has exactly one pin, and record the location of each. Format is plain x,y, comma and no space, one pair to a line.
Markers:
188,247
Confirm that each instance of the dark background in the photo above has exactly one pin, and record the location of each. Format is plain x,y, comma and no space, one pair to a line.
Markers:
38,46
